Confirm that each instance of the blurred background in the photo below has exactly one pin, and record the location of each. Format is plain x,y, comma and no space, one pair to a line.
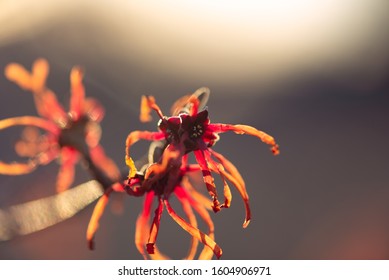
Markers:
314,74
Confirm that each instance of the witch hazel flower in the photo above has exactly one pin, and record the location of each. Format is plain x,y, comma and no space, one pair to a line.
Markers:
68,136
188,130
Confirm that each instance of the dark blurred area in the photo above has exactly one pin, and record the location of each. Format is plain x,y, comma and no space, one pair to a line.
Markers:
317,79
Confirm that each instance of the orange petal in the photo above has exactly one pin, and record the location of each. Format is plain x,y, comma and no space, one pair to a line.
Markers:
208,179
40,71
246,129
154,228
104,163
147,104
192,220
142,228
236,179
198,197
96,216
19,75
17,168
135,136
77,91
32,121
195,232
65,178
218,168
48,106
94,110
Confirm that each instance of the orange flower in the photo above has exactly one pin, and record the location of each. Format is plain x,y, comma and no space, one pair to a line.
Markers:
67,134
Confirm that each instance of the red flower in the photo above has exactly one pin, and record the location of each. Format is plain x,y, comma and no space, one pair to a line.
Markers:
68,134
192,131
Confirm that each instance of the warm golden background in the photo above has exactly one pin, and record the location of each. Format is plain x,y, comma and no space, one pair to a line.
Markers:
314,74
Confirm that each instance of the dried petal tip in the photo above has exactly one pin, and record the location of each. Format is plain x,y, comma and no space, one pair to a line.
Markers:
246,223
275,149
91,244
150,248
130,163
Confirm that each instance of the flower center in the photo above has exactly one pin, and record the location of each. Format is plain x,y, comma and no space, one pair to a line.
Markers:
197,131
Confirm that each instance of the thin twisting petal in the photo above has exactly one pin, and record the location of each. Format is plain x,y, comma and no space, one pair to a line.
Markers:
65,177
192,220
93,109
137,135
147,104
198,197
236,179
154,228
96,215
16,168
30,120
246,129
202,237
201,209
142,225
208,179
218,169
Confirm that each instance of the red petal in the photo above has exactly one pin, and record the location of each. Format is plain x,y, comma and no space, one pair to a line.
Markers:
77,91
237,181
104,163
178,191
246,129
208,179
65,178
142,224
96,216
154,228
205,239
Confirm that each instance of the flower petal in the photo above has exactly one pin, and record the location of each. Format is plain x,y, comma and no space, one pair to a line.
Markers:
154,228
201,209
236,179
147,104
246,129
94,110
135,136
40,71
96,216
142,224
104,163
30,120
65,178
208,179
182,198
19,75
77,91
15,168
205,239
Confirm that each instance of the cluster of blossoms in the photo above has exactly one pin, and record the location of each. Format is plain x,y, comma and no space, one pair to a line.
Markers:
164,174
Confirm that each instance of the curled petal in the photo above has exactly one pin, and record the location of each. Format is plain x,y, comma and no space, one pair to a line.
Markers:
142,224
192,220
246,129
198,197
208,179
154,228
17,168
147,104
96,216
32,121
65,178
218,169
234,176
179,106
135,136
195,232
201,209
77,91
